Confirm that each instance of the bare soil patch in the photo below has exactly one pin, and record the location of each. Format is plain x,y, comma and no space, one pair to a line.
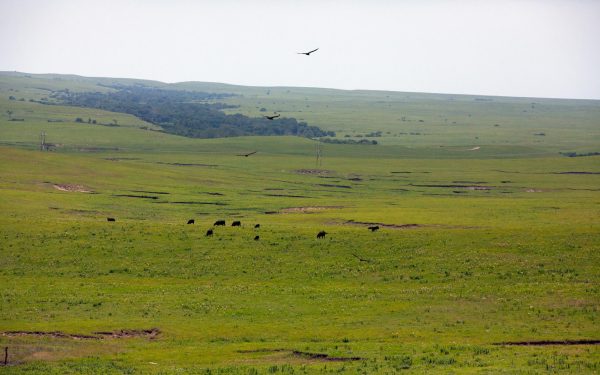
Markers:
456,186
54,334
188,164
119,159
307,209
190,202
136,196
317,172
263,350
384,225
72,188
128,333
533,191
97,149
550,342
324,357
123,333
286,195
150,192
336,186
572,172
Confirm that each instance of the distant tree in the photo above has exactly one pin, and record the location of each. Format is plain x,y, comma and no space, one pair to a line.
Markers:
78,119
12,98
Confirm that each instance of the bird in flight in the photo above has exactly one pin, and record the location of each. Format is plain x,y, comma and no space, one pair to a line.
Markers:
307,53
272,117
246,155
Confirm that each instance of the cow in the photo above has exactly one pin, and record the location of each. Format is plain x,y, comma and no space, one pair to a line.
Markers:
219,222
256,238
209,233
321,234
236,224
191,221
374,228
110,219
256,226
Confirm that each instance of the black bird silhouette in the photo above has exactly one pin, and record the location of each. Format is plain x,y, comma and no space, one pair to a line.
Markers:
246,155
272,117
307,53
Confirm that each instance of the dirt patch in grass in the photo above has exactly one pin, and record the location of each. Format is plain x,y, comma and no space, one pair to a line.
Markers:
307,209
119,159
550,342
323,357
123,333
128,333
576,172
188,164
315,172
150,192
336,186
406,226
190,202
72,188
286,195
263,350
97,149
384,225
53,334
533,191
456,186
136,196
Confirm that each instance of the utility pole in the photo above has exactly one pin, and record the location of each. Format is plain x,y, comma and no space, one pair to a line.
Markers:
42,140
318,153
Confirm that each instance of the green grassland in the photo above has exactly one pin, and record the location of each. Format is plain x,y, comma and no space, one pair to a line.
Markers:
506,245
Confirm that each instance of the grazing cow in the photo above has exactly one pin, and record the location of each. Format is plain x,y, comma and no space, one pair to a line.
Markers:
191,221
236,224
110,219
219,222
209,233
256,226
256,238
374,228
321,234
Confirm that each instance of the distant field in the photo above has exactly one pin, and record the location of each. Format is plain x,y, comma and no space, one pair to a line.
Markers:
476,247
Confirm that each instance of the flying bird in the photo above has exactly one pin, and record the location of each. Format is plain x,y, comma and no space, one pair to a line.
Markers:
307,53
272,117
246,155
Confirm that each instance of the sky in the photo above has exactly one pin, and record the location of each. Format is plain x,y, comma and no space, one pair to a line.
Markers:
528,48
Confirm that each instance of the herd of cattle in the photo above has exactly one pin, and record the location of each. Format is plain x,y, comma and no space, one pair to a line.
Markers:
238,223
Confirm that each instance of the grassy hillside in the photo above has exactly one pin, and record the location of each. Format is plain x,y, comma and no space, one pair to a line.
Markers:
475,247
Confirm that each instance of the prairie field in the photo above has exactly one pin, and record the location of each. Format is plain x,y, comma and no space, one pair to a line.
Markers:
486,260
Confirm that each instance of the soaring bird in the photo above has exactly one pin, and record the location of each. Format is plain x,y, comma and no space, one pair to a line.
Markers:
246,155
307,53
272,117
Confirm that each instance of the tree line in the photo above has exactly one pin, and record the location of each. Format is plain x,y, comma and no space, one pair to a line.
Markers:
187,113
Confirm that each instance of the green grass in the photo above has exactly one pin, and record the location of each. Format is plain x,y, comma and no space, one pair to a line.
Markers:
513,263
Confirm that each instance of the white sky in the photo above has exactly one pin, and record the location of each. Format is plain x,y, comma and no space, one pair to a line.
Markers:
506,47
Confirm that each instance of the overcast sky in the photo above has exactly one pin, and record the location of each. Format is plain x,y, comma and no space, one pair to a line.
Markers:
517,48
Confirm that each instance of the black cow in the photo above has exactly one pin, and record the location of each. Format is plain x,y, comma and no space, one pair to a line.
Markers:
374,228
191,221
256,226
110,219
209,233
219,222
236,224
256,238
321,234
